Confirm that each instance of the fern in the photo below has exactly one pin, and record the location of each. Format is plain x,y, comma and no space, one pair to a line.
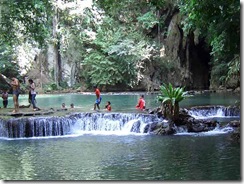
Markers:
171,96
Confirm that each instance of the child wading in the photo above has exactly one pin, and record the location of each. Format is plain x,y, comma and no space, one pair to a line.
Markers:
98,98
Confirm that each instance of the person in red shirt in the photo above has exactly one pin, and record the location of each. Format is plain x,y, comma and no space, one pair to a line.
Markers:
98,98
108,106
141,103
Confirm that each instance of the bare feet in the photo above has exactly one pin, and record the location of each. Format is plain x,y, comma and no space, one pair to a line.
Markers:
36,109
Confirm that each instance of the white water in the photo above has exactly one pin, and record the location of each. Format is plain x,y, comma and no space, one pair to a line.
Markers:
217,131
120,124
102,127
217,112
79,124
109,127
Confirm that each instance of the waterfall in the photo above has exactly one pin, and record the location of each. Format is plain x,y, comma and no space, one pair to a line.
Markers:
182,130
34,127
208,120
77,123
213,111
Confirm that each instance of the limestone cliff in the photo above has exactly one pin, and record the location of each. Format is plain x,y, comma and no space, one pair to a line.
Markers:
182,60
185,56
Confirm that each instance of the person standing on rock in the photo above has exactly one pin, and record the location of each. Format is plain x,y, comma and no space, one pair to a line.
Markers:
16,91
32,93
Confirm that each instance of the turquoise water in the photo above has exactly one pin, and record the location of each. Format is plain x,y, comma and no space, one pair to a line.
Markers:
123,102
187,157
131,157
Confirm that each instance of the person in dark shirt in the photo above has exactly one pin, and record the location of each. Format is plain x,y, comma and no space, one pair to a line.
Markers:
5,98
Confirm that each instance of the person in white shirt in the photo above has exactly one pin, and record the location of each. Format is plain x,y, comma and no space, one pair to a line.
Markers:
33,93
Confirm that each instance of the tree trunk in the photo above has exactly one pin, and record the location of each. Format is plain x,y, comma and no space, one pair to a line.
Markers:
167,110
176,111
56,47
59,64
72,73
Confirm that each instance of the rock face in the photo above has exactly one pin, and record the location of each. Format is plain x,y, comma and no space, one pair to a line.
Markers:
164,129
236,135
187,57
191,124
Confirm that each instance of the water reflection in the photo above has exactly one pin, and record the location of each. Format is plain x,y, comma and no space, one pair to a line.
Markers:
121,158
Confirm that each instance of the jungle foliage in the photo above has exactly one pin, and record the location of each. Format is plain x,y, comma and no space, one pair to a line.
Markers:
111,41
219,23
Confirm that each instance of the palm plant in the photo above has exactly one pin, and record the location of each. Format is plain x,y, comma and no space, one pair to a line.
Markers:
170,98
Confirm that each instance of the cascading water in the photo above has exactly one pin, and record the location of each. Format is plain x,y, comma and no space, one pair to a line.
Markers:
213,111
218,130
102,123
78,123
221,114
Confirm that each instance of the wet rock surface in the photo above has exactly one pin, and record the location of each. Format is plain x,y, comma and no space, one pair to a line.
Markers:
192,124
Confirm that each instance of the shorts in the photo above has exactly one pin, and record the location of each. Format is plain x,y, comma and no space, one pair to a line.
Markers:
98,101
16,92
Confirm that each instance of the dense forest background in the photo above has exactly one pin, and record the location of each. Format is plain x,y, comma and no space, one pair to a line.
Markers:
121,45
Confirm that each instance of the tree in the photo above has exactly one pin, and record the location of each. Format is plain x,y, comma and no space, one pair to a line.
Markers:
68,36
170,98
24,20
8,66
219,23
119,49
